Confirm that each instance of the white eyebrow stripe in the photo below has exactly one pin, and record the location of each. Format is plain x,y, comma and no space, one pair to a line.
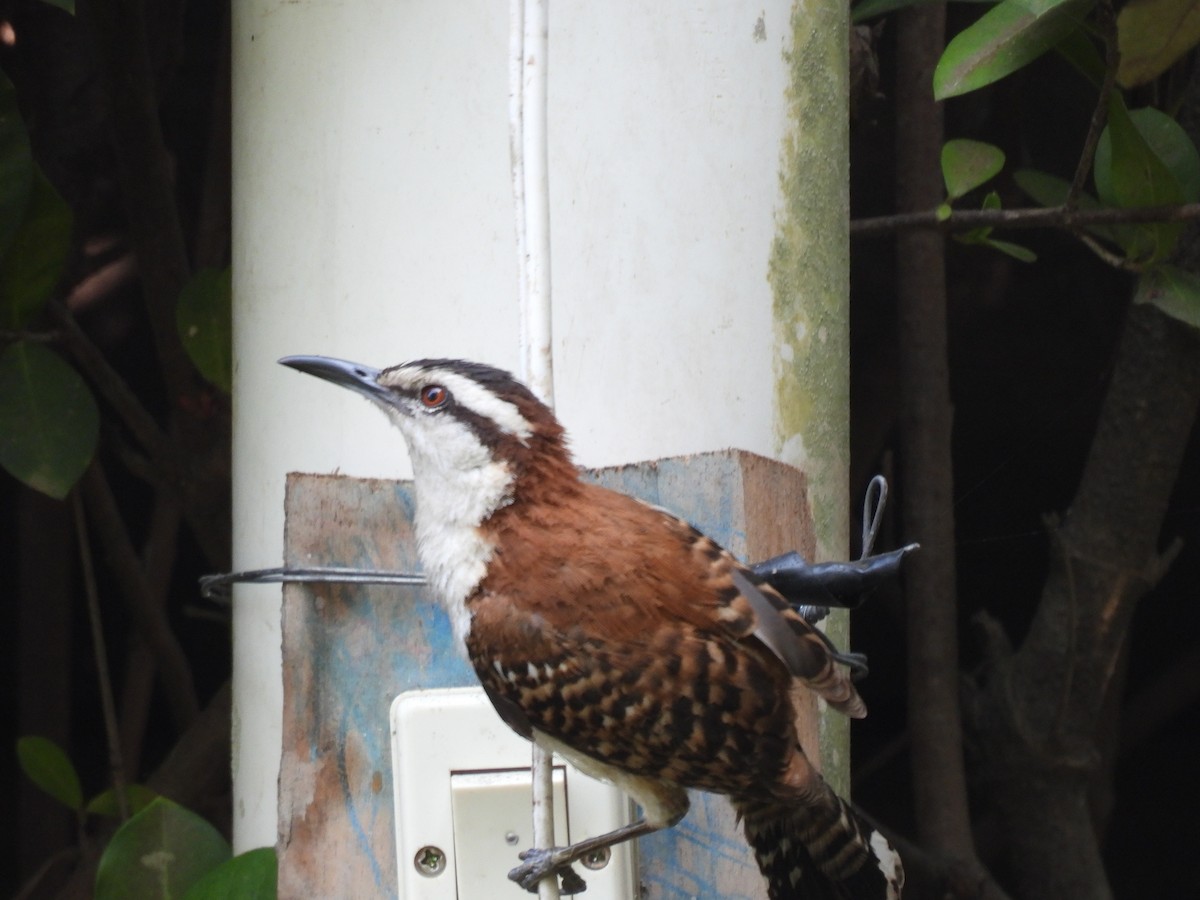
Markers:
466,392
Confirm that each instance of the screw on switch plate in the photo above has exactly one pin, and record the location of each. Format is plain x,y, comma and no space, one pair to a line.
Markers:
430,861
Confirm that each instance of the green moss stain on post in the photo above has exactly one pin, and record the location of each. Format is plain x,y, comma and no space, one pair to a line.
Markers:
809,276
809,267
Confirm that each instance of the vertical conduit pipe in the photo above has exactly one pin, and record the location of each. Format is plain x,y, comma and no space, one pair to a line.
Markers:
528,44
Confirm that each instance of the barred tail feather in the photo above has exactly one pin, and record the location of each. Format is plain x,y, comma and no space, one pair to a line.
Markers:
822,851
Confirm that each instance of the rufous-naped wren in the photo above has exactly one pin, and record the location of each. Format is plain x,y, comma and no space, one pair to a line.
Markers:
616,635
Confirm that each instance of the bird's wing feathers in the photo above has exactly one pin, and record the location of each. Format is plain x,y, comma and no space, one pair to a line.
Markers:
675,705
671,573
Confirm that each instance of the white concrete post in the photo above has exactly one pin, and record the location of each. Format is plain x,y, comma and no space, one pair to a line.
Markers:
697,160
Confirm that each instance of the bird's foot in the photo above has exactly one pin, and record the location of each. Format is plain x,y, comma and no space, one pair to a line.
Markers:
540,863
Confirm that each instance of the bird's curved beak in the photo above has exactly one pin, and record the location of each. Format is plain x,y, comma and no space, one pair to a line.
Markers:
344,373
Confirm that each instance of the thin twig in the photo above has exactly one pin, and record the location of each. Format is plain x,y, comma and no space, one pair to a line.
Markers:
104,681
158,555
67,858
29,337
1107,256
112,386
1112,60
1022,217
147,612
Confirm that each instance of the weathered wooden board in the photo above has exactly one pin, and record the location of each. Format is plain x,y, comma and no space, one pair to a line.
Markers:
756,508
349,650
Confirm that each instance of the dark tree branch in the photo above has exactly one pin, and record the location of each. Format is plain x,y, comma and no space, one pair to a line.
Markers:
211,244
200,483
138,689
1063,217
198,424
1107,22
116,392
167,468
195,774
932,876
31,337
65,859
939,777
196,771
144,169
46,658
1036,713
108,707
148,613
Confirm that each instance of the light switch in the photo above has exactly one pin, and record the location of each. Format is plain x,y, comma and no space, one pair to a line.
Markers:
462,795
492,823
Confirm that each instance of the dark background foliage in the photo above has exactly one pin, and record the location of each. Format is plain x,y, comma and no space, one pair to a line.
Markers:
1031,353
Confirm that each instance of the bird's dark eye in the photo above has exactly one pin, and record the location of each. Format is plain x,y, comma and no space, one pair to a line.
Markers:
434,396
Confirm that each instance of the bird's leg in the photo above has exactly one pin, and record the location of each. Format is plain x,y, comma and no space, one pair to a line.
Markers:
540,863
663,804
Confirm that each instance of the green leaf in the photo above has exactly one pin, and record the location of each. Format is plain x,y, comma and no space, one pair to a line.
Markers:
1129,169
1165,139
967,164
1050,190
204,319
252,875
68,5
1152,35
1047,189
982,237
48,420
1016,251
159,854
16,165
1129,172
138,796
37,254
1005,38
977,236
1173,290
46,765
1079,50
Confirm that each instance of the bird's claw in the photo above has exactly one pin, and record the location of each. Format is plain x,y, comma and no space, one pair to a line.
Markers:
571,882
539,863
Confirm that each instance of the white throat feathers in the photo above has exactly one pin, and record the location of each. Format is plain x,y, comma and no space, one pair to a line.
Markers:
458,481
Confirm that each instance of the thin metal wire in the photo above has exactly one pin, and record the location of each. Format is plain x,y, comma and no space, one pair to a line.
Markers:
217,587
874,504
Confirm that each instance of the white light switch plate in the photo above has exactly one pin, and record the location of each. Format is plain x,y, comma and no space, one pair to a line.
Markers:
462,795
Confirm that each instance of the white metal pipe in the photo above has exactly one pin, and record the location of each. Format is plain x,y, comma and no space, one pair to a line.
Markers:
386,234
528,46
516,149
536,333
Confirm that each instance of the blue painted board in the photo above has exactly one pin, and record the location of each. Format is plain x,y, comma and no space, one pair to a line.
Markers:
349,650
